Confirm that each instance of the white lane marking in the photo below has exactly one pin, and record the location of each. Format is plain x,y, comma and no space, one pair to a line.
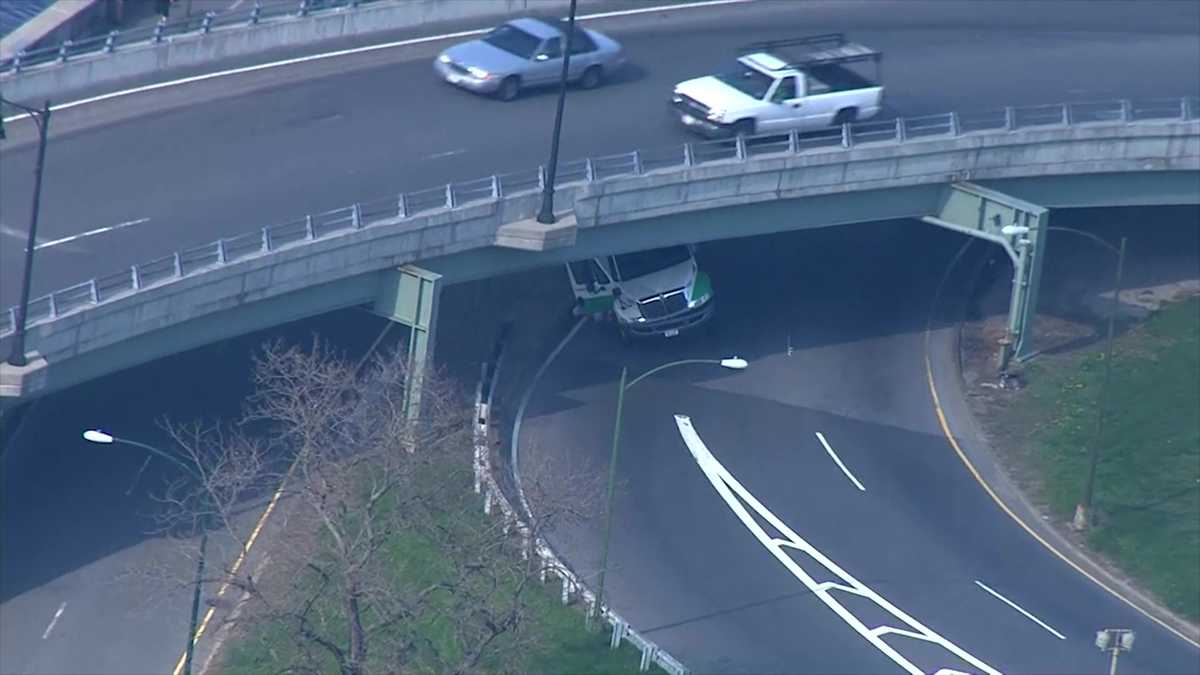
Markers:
357,50
1014,605
90,233
17,234
448,153
54,620
838,460
726,486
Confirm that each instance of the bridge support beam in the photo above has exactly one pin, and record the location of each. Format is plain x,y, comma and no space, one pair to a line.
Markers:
1020,228
410,296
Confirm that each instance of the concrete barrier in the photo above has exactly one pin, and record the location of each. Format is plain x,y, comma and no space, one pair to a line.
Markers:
198,48
1149,162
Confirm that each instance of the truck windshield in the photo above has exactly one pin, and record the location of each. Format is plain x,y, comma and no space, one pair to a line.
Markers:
513,40
634,265
748,81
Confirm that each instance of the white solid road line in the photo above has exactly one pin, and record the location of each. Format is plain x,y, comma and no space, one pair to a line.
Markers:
90,233
1014,605
742,502
821,437
54,621
358,50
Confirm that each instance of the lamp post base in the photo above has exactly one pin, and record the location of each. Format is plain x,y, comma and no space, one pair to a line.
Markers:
1080,522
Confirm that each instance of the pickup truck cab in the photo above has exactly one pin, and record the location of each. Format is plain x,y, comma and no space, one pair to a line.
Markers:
803,84
659,292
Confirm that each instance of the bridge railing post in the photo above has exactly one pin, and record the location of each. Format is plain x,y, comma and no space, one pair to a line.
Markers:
110,43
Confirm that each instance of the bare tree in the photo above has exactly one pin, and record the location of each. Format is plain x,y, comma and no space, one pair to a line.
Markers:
380,559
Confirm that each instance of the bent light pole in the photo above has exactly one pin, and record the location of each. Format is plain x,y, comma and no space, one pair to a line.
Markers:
97,436
733,363
1082,518
42,119
546,214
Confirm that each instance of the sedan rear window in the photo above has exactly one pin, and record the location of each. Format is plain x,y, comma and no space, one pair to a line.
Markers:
513,40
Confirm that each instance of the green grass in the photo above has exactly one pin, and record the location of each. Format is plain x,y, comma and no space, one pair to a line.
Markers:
564,645
1147,494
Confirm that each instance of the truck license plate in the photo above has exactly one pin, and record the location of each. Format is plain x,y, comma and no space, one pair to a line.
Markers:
671,333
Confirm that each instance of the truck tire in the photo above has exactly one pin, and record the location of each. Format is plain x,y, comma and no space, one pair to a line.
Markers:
509,89
743,128
592,77
845,116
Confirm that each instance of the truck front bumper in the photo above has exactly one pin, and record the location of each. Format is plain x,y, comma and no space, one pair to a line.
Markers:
671,326
699,124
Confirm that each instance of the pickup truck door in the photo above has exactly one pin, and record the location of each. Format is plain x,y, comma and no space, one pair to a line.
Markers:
821,103
783,108
592,286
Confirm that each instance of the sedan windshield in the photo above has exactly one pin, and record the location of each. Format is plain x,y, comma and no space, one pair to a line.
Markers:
634,265
749,82
513,40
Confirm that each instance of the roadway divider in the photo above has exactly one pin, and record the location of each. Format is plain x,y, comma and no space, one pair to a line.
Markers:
495,501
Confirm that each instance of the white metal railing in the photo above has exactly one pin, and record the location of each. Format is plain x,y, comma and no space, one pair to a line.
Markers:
573,587
200,24
405,205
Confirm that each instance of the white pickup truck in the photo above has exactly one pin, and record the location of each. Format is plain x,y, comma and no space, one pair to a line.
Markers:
802,84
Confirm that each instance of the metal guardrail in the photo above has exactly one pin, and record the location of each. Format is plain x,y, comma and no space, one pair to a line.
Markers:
494,498
405,205
164,30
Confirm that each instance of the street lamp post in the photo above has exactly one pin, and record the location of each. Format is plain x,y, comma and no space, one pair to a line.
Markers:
1114,640
42,119
546,214
97,436
1083,509
733,363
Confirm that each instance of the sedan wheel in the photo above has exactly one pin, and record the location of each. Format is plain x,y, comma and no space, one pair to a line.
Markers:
592,77
509,89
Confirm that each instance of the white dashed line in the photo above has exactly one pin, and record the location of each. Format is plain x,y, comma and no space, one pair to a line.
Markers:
448,153
90,233
54,620
1029,616
838,460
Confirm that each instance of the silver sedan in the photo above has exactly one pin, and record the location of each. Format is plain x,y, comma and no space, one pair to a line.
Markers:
528,53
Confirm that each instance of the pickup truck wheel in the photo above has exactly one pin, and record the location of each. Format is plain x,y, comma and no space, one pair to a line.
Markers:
509,89
845,116
743,128
592,77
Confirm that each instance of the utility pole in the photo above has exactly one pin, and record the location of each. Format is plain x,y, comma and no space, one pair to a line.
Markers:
546,214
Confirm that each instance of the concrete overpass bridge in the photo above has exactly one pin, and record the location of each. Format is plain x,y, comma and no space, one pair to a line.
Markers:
974,174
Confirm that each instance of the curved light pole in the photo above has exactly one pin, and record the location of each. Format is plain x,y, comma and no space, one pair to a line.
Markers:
733,363
42,119
98,436
1083,509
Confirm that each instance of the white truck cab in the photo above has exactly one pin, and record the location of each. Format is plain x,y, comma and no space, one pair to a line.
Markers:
803,84
659,292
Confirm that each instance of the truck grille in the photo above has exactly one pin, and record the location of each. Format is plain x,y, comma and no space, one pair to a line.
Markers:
691,106
659,306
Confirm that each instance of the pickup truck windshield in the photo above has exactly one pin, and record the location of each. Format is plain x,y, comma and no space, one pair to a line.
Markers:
749,82
634,265
513,40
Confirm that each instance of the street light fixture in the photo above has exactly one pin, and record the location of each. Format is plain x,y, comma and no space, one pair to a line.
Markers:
546,214
732,363
104,438
42,119
1115,640
1083,509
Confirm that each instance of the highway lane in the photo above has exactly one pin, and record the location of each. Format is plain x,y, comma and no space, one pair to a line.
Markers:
834,334
367,127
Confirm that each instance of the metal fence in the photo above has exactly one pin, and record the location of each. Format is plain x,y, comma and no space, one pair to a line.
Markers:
405,205
193,25
572,587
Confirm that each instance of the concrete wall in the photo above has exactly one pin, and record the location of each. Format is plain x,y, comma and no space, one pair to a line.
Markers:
1093,164
183,51
62,20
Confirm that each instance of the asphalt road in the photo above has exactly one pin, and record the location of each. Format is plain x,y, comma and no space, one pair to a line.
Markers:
833,331
269,147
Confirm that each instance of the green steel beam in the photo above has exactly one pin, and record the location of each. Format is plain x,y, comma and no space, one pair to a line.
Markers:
980,212
410,295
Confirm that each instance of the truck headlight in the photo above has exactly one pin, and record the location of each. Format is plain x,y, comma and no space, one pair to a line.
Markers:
478,72
699,300
716,114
